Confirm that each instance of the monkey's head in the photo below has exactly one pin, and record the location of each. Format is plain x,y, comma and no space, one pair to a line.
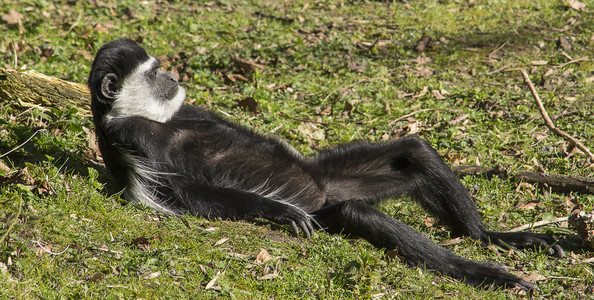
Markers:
126,82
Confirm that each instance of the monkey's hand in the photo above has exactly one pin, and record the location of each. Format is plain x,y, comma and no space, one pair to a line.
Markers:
291,215
525,239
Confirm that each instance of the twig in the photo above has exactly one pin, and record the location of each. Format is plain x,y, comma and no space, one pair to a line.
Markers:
549,123
538,224
73,25
347,88
585,58
16,56
498,48
50,252
417,112
21,145
499,69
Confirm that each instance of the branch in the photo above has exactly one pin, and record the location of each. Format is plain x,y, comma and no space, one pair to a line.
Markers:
538,224
554,183
549,123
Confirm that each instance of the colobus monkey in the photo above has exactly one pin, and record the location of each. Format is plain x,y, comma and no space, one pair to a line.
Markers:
182,159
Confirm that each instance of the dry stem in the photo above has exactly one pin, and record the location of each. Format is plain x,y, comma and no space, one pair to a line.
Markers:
549,123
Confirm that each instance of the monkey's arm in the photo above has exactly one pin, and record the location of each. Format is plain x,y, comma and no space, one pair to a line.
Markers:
215,202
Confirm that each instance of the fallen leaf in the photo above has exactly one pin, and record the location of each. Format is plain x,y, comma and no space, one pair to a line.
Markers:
262,257
211,283
269,276
423,43
437,94
458,119
533,276
422,71
142,243
453,241
248,103
97,276
3,167
311,131
421,93
12,17
153,275
422,59
356,67
40,251
576,4
221,241
245,66
563,43
539,62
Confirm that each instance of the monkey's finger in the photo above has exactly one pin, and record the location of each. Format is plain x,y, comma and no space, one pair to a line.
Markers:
295,228
559,251
310,225
553,249
305,228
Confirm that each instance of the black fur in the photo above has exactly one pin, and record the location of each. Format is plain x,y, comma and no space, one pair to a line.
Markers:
199,163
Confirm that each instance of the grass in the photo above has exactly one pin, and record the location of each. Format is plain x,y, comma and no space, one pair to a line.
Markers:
350,68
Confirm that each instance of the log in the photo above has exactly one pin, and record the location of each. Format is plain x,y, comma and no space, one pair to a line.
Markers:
30,88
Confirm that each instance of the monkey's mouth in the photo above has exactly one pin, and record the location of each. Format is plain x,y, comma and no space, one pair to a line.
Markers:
171,92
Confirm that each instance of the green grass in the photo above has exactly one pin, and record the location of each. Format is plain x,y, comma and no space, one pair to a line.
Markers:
349,67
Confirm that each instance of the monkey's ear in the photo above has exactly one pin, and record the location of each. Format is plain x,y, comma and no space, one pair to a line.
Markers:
109,86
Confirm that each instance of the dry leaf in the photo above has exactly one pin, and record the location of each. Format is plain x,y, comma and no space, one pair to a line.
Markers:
458,119
437,94
3,167
421,93
423,43
153,275
262,257
12,17
221,241
142,243
422,59
422,71
245,66
269,276
429,222
539,62
96,277
311,131
576,4
583,222
248,103
528,206
563,43
356,67
533,277
211,283
3,268
40,251
454,241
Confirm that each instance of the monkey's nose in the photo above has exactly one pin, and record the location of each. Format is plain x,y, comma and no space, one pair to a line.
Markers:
172,77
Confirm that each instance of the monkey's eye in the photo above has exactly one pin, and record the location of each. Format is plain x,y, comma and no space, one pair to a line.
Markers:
153,74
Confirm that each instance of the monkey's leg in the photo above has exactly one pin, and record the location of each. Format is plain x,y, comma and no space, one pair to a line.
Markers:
410,165
356,218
